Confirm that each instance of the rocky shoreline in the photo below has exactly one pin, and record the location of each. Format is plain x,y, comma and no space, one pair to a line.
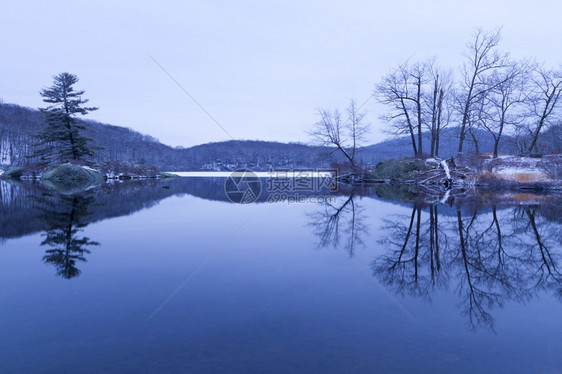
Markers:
71,178
503,173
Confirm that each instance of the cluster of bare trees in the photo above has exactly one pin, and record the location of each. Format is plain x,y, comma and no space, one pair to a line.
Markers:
418,96
492,92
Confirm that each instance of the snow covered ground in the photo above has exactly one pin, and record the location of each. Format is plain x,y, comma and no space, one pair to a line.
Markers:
521,174
518,169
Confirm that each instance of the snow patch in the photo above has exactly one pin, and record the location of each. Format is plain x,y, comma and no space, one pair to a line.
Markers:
445,197
5,152
518,169
446,168
520,173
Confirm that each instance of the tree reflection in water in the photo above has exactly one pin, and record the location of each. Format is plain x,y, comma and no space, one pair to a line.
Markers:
65,217
340,225
487,255
414,264
494,256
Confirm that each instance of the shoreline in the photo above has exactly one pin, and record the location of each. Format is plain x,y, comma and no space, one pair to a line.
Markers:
504,173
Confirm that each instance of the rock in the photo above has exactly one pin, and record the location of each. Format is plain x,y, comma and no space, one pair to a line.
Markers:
12,173
69,178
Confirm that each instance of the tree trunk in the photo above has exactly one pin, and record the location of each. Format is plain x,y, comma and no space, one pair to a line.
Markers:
476,148
439,112
536,135
551,100
434,116
71,138
418,102
465,113
410,127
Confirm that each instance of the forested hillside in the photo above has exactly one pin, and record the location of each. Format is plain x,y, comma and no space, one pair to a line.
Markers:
120,144
19,124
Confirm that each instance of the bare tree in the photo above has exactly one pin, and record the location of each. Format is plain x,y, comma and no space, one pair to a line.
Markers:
345,135
544,103
419,77
436,103
402,90
502,106
482,59
340,225
356,127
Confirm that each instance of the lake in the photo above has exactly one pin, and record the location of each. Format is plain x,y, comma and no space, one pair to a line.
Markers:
172,276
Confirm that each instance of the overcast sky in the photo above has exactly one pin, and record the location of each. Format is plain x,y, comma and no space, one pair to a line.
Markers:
260,68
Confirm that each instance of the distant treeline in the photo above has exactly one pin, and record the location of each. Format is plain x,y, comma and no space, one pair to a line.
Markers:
122,145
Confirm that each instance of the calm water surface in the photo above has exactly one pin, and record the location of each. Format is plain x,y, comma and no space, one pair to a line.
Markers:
172,277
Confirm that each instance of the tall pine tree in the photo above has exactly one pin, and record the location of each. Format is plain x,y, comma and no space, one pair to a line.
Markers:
62,139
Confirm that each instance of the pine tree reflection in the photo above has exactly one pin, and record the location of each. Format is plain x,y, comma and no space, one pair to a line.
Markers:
65,218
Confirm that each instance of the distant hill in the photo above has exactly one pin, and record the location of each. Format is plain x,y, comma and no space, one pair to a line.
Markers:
448,145
258,155
18,124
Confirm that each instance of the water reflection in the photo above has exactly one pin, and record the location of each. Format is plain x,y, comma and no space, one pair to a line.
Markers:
29,208
486,254
65,217
340,225
413,263
269,295
493,256
484,250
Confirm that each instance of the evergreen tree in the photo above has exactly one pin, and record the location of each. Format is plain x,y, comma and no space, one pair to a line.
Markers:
62,139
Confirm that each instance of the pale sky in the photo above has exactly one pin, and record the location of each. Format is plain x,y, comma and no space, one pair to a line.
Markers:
260,68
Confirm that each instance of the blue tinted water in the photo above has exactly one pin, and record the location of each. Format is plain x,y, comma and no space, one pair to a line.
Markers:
183,282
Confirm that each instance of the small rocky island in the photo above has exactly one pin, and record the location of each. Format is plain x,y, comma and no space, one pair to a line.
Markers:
69,178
